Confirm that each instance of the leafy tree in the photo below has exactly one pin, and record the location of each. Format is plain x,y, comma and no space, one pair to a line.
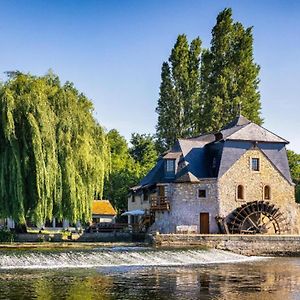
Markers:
229,75
179,92
54,155
167,128
124,173
143,151
294,163
128,165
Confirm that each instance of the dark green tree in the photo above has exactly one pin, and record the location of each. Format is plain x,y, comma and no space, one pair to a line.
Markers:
294,163
143,151
124,172
167,128
229,75
178,104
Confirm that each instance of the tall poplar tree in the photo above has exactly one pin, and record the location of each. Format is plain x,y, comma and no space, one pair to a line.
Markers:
229,75
168,125
179,92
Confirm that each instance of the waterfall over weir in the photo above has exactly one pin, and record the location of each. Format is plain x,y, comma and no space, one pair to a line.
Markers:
115,257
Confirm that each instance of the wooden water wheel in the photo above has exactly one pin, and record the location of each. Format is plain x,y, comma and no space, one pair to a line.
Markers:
257,217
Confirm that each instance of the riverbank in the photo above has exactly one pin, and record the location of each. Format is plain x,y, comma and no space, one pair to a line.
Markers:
66,245
250,245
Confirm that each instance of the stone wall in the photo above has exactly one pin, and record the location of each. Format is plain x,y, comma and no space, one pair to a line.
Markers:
138,203
282,192
264,245
186,206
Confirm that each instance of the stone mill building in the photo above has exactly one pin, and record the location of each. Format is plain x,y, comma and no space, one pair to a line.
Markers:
236,180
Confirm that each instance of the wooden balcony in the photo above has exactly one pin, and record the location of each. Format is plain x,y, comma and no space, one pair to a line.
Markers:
159,203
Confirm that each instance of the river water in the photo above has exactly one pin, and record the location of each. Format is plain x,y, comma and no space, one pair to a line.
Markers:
145,273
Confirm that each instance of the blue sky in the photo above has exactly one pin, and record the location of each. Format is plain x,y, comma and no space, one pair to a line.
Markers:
113,51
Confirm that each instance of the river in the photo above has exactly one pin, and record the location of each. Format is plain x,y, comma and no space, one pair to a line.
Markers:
145,273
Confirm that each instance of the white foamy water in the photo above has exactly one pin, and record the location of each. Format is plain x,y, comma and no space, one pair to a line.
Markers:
121,257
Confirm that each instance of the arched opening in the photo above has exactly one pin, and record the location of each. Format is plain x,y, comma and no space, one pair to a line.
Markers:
240,192
267,192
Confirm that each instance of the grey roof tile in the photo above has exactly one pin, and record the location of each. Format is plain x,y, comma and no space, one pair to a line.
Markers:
254,132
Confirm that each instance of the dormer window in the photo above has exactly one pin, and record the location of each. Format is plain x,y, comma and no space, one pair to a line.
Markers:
170,166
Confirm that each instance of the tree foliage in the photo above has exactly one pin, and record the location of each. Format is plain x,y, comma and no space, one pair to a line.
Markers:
229,76
143,151
123,171
179,92
128,165
294,163
201,91
53,154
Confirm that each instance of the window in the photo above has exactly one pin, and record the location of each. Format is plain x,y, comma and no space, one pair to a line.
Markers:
133,198
146,196
202,193
240,192
170,167
267,192
161,191
255,164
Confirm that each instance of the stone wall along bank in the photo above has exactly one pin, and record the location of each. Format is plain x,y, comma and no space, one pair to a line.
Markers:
263,245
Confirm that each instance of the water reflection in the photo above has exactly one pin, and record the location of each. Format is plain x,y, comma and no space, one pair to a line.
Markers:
277,278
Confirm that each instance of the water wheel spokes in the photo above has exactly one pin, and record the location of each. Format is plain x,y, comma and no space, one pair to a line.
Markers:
257,217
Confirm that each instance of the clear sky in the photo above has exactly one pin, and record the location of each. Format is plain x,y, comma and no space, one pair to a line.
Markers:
113,51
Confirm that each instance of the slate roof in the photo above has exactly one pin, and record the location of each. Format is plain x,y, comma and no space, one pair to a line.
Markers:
211,155
243,129
238,121
276,153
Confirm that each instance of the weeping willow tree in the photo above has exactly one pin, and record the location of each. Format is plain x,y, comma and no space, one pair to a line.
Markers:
54,156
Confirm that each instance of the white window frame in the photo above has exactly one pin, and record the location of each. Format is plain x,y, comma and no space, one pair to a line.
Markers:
170,171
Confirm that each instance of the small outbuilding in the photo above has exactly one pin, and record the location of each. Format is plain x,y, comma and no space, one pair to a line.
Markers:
103,212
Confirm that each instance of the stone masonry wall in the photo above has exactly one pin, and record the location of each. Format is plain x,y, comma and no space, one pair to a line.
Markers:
269,245
186,206
282,192
138,203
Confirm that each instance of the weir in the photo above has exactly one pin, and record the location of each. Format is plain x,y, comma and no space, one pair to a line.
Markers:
116,257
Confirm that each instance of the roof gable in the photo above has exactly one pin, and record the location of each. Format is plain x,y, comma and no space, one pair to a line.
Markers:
232,152
238,121
254,132
276,153
187,177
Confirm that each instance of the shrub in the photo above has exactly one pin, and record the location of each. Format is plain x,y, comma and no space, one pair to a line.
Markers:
6,236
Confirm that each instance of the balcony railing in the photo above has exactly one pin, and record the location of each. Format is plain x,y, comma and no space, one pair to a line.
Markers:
159,203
